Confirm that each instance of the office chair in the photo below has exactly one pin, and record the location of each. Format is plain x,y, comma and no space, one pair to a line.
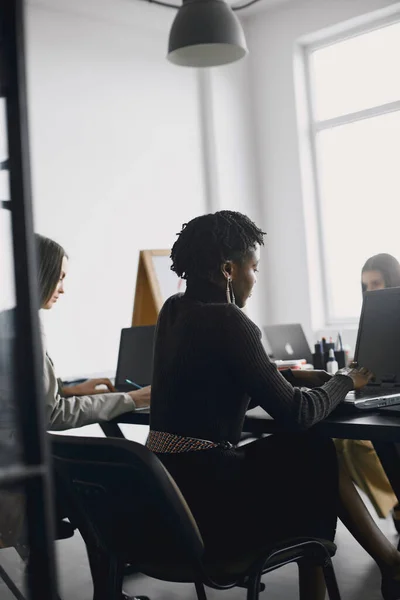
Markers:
129,509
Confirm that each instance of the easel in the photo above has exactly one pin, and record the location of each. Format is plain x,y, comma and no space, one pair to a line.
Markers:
148,299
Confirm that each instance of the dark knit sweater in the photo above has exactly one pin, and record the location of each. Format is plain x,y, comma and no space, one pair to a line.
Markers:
209,362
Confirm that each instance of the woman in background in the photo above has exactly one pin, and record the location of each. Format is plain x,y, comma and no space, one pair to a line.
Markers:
380,272
358,457
82,404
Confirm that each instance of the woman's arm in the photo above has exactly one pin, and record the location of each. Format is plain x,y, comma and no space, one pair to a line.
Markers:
265,384
89,387
67,413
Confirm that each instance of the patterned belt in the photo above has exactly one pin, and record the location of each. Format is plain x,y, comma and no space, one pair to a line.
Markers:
163,443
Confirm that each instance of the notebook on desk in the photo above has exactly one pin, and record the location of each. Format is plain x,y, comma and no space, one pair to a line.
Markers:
135,358
377,348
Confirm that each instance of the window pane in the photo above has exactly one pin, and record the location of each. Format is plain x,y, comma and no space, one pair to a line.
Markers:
3,129
4,185
357,73
360,203
9,447
4,179
14,548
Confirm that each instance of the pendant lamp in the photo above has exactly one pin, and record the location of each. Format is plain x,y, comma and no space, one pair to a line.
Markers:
206,33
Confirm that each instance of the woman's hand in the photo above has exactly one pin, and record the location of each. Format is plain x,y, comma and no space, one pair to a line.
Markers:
141,397
360,375
310,379
89,388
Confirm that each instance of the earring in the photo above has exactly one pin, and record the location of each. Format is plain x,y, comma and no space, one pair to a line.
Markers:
232,293
228,291
230,296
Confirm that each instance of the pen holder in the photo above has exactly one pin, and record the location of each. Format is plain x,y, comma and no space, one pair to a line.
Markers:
340,356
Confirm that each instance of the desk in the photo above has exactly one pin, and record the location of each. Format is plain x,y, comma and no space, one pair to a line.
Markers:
383,431
369,426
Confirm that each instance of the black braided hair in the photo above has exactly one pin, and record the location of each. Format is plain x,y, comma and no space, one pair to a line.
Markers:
206,242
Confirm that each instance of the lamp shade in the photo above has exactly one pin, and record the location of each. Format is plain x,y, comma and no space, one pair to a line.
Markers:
206,33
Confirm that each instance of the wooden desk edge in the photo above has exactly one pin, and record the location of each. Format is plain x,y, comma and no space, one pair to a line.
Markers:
334,426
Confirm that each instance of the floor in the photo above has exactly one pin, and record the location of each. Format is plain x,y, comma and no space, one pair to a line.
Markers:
357,574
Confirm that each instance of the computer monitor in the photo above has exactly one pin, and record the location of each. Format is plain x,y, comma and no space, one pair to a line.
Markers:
135,357
378,340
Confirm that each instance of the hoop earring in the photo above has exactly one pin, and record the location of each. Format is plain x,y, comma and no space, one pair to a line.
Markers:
230,296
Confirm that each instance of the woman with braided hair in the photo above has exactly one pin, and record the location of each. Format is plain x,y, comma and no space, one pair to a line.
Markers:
209,368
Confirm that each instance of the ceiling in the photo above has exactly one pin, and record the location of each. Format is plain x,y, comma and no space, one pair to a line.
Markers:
264,4
107,8
260,5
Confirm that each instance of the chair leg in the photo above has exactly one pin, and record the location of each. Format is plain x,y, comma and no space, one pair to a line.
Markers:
23,552
253,587
10,584
107,575
331,581
201,592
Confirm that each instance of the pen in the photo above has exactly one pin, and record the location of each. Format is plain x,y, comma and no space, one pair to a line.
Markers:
339,340
139,387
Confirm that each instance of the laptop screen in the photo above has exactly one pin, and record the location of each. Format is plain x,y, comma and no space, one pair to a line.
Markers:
378,341
135,358
288,342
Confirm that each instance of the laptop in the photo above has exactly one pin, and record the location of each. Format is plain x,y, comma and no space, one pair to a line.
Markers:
135,358
377,348
288,342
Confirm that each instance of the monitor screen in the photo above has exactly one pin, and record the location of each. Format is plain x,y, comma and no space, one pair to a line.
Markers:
378,343
288,342
135,359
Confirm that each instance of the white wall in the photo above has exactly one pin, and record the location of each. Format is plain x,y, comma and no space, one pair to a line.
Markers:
272,38
232,155
117,160
125,147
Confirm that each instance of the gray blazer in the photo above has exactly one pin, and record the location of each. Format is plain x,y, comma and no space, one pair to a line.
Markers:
66,413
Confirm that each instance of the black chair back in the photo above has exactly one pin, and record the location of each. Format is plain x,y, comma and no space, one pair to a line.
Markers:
125,502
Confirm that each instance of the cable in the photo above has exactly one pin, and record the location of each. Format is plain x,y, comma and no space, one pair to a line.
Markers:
166,4
236,8
159,3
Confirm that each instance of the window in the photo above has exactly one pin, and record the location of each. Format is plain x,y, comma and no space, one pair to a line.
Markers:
354,91
24,482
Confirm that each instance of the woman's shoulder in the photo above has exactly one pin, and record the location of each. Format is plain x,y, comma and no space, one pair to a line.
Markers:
172,304
219,313
226,316
240,319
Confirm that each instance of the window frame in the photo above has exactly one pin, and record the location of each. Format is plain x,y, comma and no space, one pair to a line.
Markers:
314,126
33,474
